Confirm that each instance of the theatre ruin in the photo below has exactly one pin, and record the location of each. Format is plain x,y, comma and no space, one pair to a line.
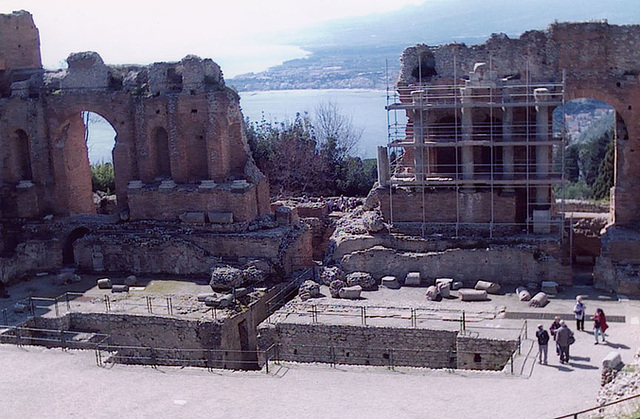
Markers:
465,191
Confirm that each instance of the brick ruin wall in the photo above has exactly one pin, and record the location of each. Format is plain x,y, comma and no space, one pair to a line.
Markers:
595,60
173,121
598,60
362,345
439,206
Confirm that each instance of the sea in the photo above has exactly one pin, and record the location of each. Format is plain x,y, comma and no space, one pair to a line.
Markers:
366,108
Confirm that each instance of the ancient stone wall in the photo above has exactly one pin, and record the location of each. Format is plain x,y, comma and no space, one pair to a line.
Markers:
356,345
178,128
362,345
510,264
474,353
145,339
31,257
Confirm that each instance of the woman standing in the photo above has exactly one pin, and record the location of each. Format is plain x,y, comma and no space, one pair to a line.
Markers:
580,310
599,325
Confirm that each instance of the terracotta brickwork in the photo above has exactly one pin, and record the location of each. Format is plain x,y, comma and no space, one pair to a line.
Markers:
178,128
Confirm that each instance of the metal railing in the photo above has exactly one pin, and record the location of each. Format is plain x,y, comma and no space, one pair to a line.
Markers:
618,409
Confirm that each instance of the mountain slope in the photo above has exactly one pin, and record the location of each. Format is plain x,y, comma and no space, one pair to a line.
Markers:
356,52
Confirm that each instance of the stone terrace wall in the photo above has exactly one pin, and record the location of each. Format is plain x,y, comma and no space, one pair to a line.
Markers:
484,354
383,346
502,264
357,345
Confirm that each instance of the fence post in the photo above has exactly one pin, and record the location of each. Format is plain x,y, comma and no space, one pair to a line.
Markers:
169,306
266,361
363,315
107,303
32,307
511,356
519,345
56,307
464,321
68,302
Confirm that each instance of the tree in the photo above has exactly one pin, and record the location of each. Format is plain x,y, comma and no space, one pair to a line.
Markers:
605,179
287,153
335,130
312,157
103,177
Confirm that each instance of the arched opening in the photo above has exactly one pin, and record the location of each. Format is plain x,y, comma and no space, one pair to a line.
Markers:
162,156
83,163
68,257
100,137
589,156
591,128
17,165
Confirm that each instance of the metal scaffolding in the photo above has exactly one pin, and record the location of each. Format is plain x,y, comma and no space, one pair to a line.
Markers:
481,135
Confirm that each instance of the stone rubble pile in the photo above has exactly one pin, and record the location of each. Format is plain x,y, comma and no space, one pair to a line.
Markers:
309,289
363,279
329,274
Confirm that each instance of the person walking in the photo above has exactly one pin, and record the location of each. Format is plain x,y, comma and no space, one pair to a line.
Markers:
554,327
564,338
599,325
543,344
580,311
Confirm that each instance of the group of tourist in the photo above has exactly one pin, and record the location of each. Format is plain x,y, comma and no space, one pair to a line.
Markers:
564,337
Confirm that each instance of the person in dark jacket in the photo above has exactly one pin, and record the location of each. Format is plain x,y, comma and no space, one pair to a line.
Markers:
555,326
563,338
543,344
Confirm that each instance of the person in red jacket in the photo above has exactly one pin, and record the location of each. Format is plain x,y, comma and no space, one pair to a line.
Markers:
599,325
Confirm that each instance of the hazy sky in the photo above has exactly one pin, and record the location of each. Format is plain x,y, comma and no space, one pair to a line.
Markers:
240,35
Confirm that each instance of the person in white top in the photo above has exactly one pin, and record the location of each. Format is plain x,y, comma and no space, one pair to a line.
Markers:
579,310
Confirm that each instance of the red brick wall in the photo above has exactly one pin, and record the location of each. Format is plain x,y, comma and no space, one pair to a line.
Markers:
440,206
151,204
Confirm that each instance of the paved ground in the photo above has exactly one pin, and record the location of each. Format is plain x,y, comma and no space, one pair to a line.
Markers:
38,382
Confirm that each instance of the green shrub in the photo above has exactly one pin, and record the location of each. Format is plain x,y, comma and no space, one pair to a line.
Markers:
103,178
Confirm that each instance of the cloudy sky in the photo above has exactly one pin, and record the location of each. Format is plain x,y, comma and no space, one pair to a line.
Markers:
240,35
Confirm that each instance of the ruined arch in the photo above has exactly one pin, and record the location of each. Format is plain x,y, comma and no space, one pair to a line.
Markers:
68,257
625,210
70,158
